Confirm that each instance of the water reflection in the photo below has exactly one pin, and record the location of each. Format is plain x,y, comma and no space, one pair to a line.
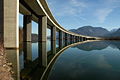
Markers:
97,60
31,60
98,45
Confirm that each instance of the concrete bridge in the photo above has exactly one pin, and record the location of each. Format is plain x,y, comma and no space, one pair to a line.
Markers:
36,10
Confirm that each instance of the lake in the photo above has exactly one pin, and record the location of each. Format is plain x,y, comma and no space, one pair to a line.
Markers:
94,60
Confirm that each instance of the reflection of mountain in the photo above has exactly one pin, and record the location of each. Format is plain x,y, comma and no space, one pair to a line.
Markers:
98,45
115,44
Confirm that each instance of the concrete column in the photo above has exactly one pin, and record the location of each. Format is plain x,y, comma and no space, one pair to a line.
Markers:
66,36
70,37
42,50
61,35
76,38
53,33
81,38
60,39
1,18
42,28
9,19
28,50
66,39
27,28
53,47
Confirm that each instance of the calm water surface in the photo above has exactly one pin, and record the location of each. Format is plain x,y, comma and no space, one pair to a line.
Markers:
98,60
90,61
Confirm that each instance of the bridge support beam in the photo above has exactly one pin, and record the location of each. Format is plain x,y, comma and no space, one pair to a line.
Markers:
9,16
42,53
53,47
28,50
66,36
71,39
53,39
53,33
66,39
60,39
61,35
27,28
42,28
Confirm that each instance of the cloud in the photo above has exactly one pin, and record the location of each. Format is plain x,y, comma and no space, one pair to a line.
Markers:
66,11
106,9
102,14
78,3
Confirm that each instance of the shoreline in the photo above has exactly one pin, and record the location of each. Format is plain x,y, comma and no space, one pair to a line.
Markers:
5,66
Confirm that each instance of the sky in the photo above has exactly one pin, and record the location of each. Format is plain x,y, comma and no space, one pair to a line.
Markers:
72,14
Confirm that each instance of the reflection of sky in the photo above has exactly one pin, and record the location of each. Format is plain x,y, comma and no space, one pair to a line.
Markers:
21,60
34,51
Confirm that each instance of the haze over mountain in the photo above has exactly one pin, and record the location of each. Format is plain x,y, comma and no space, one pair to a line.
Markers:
96,31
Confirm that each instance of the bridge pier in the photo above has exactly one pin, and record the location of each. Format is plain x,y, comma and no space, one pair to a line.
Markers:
80,38
27,48
53,39
42,53
53,33
60,39
42,28
27,28
70,38
9,19
53,47
66,36
66,39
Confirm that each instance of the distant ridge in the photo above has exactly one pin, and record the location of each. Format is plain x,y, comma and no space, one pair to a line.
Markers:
91,31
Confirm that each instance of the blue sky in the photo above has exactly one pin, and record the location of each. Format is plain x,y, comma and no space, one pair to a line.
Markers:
72,14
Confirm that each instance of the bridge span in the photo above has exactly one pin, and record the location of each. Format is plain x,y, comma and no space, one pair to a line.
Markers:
36,10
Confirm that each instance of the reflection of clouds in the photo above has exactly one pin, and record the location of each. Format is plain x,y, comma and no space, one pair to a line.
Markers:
99,63
102,63
97,45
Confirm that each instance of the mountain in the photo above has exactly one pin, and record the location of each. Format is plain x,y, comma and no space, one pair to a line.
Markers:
91,31
115,34
113,30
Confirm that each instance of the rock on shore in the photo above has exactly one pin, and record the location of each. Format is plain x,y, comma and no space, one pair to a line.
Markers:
5,69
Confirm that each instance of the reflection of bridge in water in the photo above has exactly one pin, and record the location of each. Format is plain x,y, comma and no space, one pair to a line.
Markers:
26,66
